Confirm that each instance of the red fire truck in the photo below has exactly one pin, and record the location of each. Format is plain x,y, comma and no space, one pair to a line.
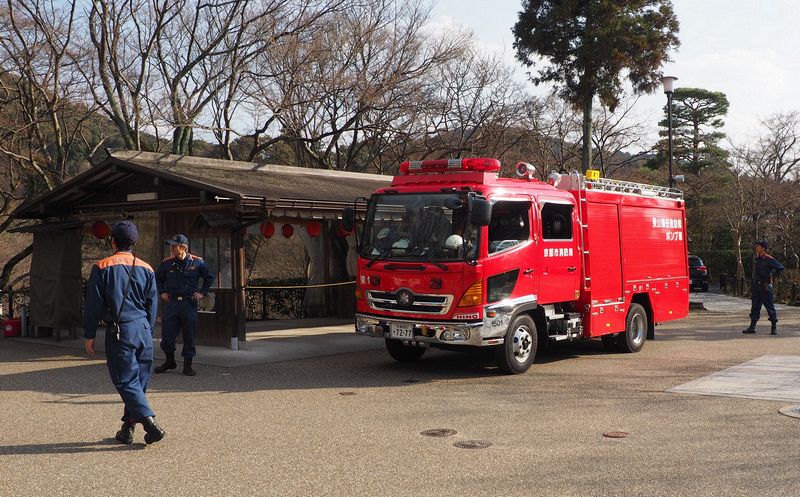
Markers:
454,256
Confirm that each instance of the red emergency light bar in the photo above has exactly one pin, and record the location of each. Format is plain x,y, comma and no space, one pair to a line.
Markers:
449,165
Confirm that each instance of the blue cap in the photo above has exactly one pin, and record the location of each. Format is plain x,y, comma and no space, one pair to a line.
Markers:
763,243
178,240
125,232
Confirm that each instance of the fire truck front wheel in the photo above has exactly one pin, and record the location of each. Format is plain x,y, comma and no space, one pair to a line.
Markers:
516,354
632,339
402,352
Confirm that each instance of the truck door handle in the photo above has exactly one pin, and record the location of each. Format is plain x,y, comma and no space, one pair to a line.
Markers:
527,271
571,268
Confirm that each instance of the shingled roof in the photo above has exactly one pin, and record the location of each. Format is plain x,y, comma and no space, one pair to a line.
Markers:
265,186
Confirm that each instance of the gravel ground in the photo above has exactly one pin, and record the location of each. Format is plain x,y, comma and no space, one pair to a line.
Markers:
349,424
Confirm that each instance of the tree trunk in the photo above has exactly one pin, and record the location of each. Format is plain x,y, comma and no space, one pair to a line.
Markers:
739,263
586,162
11,264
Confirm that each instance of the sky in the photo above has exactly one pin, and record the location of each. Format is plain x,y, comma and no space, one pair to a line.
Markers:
749,50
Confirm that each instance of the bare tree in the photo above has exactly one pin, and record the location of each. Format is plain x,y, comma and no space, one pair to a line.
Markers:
618,137
361,64
41,117
119,70
553,141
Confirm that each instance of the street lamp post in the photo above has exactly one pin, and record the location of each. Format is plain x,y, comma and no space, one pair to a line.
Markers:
669,87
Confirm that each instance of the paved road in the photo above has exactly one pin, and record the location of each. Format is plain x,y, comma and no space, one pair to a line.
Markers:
349,424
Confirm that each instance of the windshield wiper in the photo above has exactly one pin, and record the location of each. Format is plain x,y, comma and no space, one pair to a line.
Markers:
380,255
419,250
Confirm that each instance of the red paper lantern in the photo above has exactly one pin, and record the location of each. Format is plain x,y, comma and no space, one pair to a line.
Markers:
314,228
100,230
287,230
267,229
341,232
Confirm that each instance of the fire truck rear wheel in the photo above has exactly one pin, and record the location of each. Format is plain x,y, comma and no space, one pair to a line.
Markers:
633,338
516,354
402,352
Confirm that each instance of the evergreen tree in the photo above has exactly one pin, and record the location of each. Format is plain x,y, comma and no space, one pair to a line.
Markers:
697,118
592,45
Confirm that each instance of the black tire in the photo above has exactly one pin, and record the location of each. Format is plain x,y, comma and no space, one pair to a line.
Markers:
516,354
635,334
610,342
402,352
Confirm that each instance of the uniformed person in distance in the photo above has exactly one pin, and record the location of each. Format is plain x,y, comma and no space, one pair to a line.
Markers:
122,292
762,293
178,284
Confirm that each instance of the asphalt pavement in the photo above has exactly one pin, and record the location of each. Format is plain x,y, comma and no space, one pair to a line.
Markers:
349,423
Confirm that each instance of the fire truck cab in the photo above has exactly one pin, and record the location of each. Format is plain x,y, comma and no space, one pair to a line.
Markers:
454,256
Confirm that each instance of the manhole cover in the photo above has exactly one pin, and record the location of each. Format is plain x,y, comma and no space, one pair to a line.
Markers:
439,432
791,411
472,444
615,434
347,393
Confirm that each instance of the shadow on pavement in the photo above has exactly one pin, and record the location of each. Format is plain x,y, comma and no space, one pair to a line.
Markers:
105,445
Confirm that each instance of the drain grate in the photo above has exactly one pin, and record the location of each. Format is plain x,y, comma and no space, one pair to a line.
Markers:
615,434
438,432
791,411
347,393
472,444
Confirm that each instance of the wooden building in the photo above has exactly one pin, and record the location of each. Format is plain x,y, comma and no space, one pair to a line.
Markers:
211,201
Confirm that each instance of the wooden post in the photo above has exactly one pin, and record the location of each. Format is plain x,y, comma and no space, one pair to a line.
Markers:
237,247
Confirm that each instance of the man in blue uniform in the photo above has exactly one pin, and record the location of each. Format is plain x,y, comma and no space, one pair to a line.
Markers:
177,278
122,292
764,268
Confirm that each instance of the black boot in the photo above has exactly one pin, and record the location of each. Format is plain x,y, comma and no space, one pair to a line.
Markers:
125,433
168,364
774,329
751,328
187,367
154,433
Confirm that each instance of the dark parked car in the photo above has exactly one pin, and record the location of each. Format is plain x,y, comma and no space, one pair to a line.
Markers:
698,273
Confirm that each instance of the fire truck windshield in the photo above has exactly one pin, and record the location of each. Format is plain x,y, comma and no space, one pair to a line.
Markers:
419,227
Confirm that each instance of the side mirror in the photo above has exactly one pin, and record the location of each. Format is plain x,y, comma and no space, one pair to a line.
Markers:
349,218
481,213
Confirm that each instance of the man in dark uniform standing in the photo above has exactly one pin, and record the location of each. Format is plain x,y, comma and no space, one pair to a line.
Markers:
122,292
177,278
764,268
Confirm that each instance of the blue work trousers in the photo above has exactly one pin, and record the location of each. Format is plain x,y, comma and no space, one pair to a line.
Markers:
180,316
130,361
763,295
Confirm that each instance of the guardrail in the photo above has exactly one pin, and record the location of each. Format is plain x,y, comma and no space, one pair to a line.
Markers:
785,292
12,301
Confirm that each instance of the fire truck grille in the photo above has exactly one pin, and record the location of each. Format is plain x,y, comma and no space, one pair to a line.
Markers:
409,302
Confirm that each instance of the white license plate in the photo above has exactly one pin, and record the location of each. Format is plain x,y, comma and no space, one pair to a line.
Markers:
401,331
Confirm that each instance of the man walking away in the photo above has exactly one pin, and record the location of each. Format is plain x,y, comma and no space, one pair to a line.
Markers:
762,293
122,292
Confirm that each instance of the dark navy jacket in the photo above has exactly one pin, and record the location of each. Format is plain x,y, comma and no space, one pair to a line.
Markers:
765,267
106,287
179,278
